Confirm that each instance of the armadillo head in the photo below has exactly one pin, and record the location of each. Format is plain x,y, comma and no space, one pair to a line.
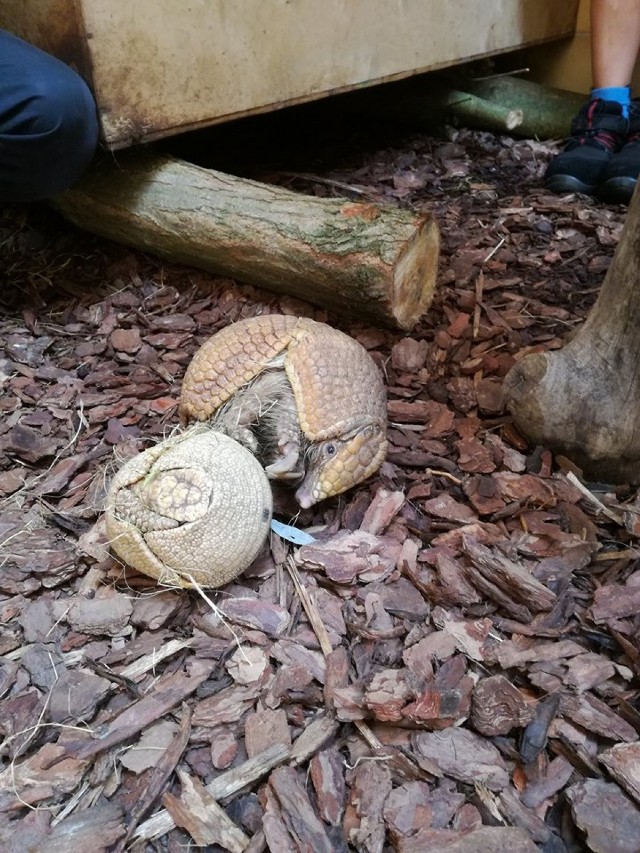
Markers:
335,465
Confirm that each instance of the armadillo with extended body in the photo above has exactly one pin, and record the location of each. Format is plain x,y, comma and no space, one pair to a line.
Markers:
307,399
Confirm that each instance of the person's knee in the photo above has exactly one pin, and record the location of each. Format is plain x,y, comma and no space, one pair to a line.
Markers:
64,121
61,108
52,137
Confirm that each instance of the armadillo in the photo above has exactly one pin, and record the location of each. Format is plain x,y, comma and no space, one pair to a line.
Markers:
195,507
307,399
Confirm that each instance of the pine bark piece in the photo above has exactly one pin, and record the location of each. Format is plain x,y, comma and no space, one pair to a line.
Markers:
75,695
509,654
258,843
582,400
315,735
616,601
465,756
534,737
166,694
407,810
440,707
487,839
493,592
388,693
381,511
302,822
345,556
224,748
595,716
498,706
337,673
273,825
518,815
623,762
96,829
205,821
226,706
161,773
449,586
327,776
264,728
253,613
223,786
584,672
509,576
609,818
556,775
43,775
357,259
369,791
470,635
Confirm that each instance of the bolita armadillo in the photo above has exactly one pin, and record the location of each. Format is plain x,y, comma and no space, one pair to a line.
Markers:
195,507
308,400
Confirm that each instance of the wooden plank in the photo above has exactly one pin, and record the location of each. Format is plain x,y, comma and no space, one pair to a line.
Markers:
160,66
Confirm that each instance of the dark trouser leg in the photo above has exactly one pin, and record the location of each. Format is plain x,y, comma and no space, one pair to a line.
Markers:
48,123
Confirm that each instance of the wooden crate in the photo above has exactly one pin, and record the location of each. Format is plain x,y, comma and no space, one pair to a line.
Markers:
158,67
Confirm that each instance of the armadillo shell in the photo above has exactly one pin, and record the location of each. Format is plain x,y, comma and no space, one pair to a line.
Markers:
334,379
197,506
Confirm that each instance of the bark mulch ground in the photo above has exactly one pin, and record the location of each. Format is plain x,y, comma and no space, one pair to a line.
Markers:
451,666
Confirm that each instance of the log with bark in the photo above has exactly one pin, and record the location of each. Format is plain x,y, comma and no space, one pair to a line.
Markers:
427,104
358,259
584,400
546,112
503,104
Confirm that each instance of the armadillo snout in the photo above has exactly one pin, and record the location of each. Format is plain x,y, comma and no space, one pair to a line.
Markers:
338,465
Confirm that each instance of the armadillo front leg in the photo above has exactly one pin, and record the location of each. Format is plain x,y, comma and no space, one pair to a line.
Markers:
264,418
283,429
241,416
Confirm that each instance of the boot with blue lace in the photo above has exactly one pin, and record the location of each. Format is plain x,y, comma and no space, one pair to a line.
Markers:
598,132
622,171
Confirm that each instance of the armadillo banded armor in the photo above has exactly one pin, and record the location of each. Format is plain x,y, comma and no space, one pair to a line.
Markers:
338,401
194,507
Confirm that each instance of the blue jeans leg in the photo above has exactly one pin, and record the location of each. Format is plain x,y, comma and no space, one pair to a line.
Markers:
48,123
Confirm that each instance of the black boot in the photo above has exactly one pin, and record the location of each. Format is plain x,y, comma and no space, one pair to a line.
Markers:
623,169
597,133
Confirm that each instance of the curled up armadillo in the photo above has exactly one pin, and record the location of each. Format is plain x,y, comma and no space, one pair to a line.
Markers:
275,397
195,507
305,398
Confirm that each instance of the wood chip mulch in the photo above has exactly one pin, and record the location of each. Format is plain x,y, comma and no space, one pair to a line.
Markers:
452,665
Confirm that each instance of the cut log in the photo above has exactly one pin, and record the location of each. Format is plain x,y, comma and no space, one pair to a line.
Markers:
363,260
546,112
584,400
428,102
502,104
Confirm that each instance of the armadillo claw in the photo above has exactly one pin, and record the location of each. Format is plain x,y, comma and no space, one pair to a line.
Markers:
195,506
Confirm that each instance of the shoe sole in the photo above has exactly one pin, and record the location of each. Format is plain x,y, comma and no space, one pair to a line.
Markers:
617,190
568,184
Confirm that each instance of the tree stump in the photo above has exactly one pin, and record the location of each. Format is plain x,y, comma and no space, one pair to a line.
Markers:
584,400
362,260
